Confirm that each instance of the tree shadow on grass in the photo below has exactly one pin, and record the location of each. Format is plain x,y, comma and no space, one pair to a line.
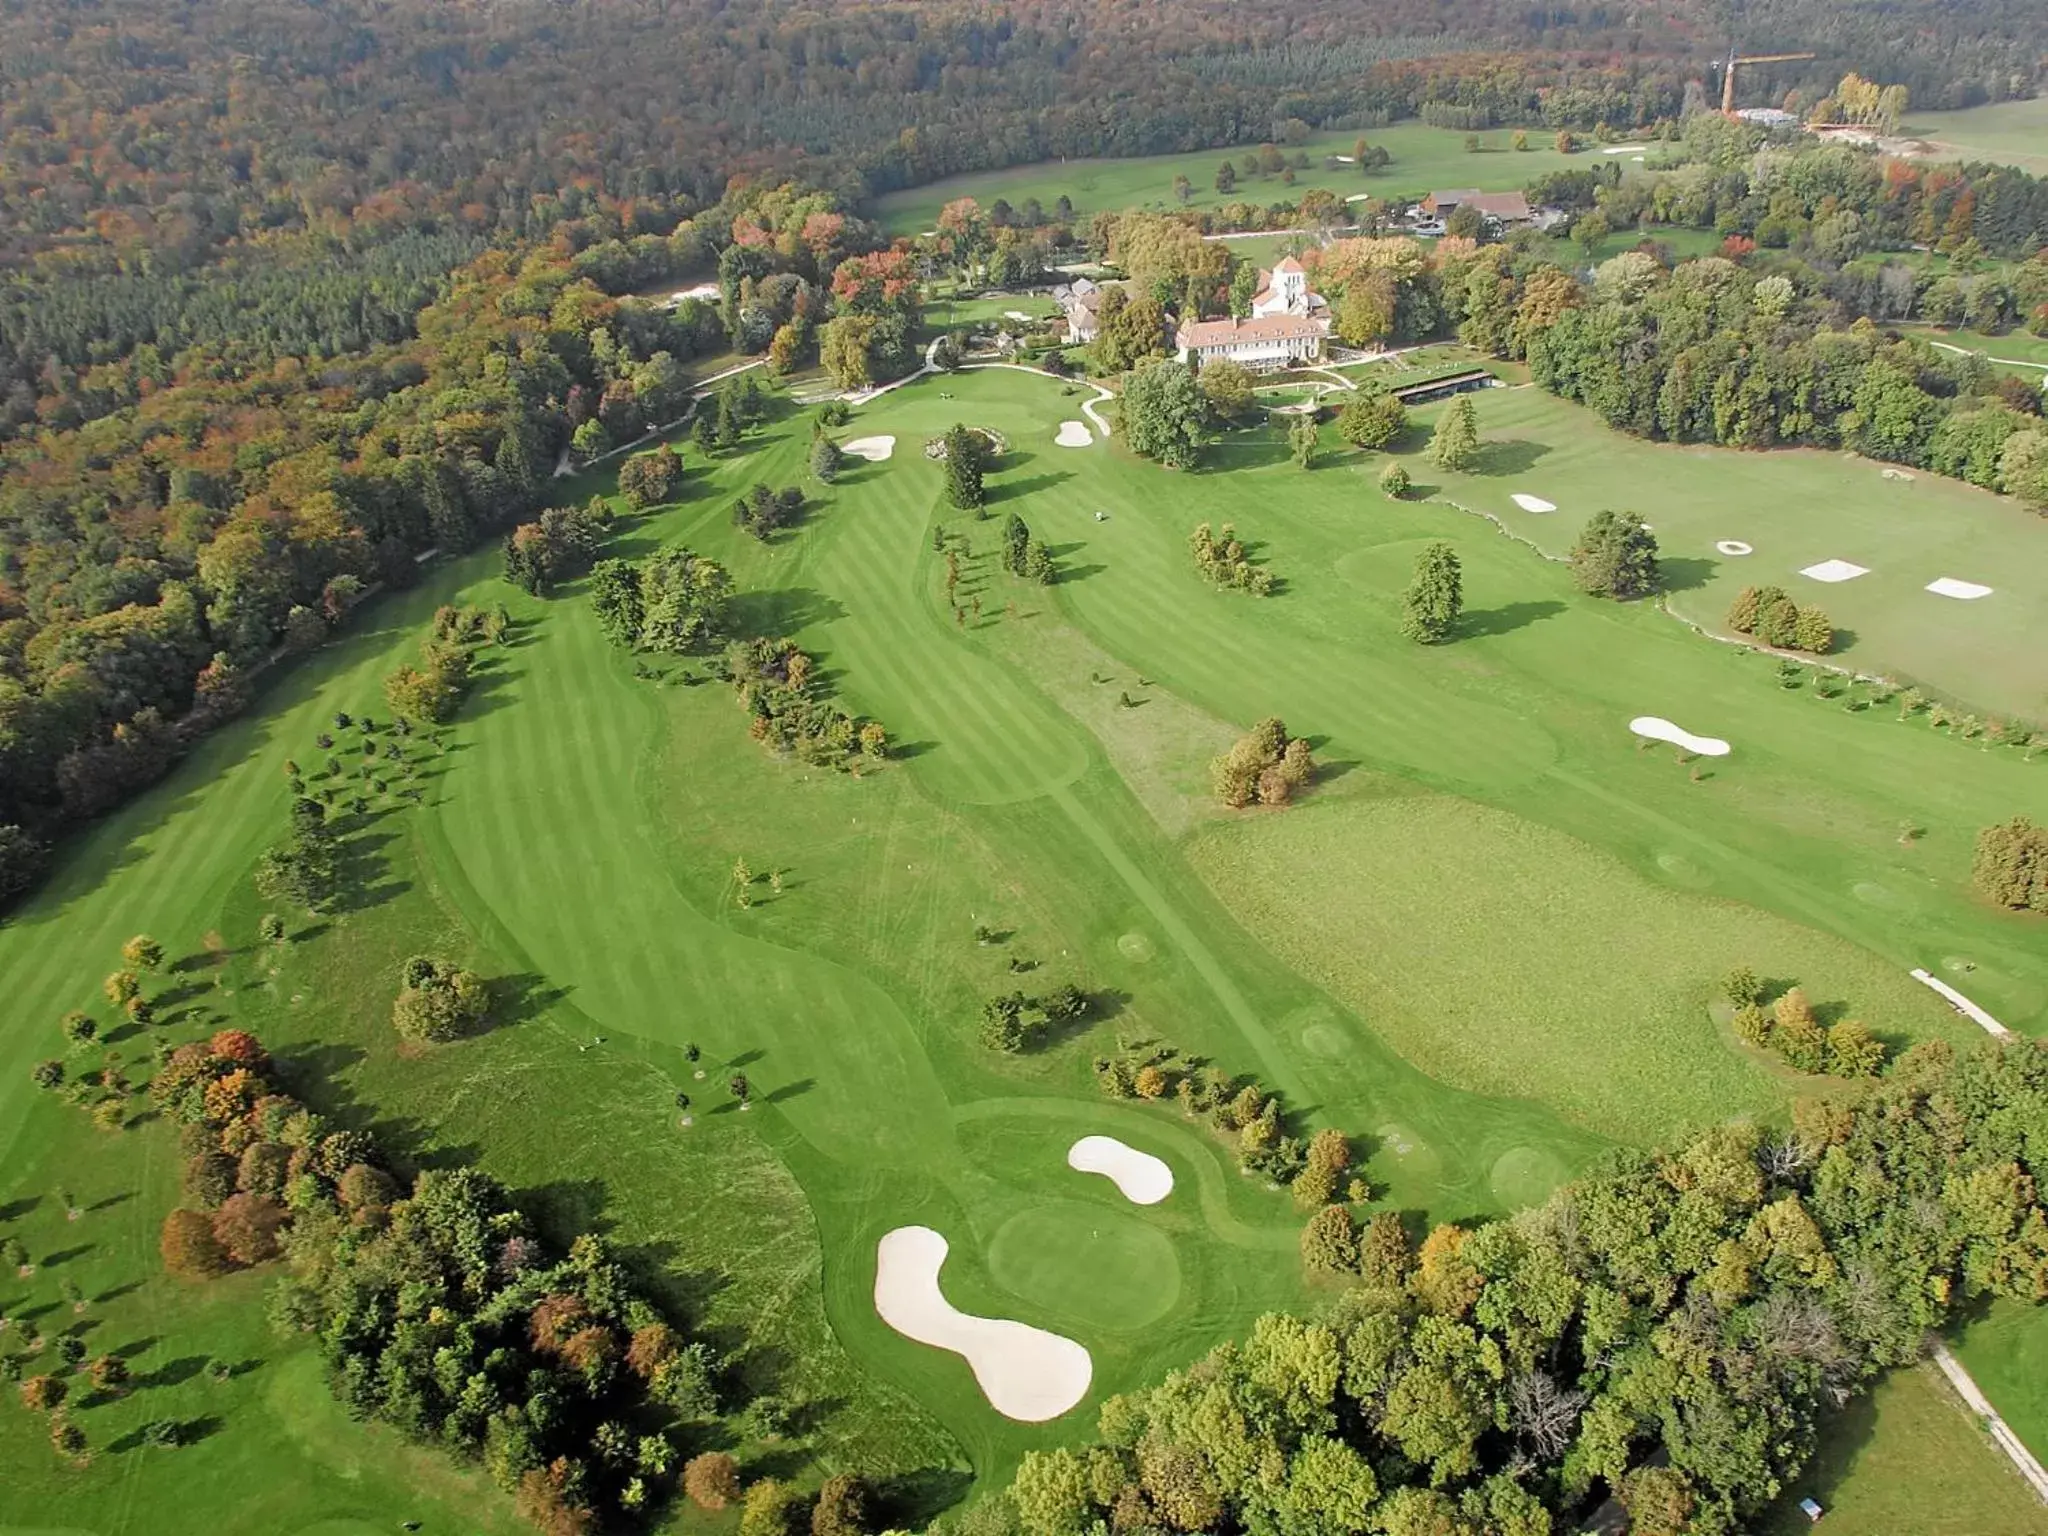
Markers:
1010,490
782,611
521,998
1508,618
1685,573
911,1500
172,1373
1508,456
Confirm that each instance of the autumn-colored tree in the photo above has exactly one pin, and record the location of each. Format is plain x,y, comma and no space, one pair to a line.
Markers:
551,1499
43,1394
842,1507
1329,1243
246,1226
711,1480
189,1247
1444,1280
1150,1082
651,1347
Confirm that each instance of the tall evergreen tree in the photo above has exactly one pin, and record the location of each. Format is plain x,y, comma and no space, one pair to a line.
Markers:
1455,443
1616,557
964,469
1434,599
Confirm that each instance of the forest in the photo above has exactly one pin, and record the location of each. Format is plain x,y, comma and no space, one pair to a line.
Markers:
1672,1327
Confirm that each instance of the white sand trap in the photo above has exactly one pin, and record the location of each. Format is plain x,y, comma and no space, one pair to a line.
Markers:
1143,1178
1345,159
1075,434
1024,1372
1657,728
873,449
1624,149
1532,503
1966,591
1016,314
1359,197
1835,570
1734,547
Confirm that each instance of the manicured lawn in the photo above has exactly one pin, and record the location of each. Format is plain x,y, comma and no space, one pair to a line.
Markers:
1424,159
1794,508
2008,133
1471,947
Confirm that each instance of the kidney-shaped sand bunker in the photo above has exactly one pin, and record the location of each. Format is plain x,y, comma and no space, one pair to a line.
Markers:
1025,1373
1143,1178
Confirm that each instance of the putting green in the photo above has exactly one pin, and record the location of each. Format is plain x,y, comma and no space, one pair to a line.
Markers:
1525,1176
1086,1264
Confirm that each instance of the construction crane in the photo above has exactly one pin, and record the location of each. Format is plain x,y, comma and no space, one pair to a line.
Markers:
1728,72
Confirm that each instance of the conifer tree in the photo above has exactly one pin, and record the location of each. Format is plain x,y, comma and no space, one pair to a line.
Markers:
1434,599
1456,441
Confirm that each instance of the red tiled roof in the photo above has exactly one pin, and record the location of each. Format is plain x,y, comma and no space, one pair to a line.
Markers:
1211,333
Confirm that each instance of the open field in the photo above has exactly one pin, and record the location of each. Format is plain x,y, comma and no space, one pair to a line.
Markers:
2009,133
1424,159
579,838
1795,508
1911,1458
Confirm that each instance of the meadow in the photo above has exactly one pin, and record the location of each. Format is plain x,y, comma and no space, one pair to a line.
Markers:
1423,159
1559,907
2007,133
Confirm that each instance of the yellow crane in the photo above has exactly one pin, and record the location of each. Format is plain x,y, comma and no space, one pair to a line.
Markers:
1728,72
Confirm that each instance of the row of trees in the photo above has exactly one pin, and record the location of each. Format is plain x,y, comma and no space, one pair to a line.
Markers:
1670,1329
1014,1021
791,708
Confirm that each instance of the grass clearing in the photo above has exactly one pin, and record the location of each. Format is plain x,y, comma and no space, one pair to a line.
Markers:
1424,159
2005,133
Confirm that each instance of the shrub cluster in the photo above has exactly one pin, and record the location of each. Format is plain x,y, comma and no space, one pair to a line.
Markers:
1670,1330
1015,1022
1789,1030
2011,866
1265,764
437,1309
1770,615
778,684
438,1000
560,543
674,601
1025,556
1221,557
762,511
647,480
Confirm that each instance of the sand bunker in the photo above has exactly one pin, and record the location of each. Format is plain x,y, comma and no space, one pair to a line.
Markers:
873,449
1966,591
1734,547
1143,1178
1657,728
1624,149
1024,1372
1075,434
1016,314
1835,570
1532,503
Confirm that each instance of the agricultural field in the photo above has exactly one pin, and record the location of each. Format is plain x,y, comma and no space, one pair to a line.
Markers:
1424,159
1555,908
2008,133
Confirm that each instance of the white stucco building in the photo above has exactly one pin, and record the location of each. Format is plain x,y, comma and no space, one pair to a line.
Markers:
1287,326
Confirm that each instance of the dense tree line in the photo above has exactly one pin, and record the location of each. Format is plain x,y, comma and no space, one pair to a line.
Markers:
437,1308
1669,1330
